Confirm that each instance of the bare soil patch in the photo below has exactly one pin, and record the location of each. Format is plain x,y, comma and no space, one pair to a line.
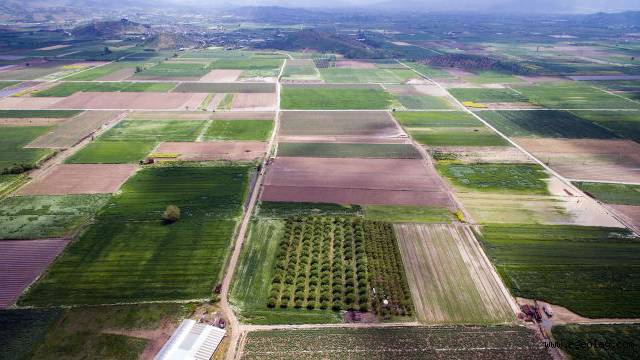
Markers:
29,103
22,262
588,159
54,47
75,129
221,76
214,150
451,281
484,154
67,179
129,100
355,64
31,121
118,75
630,213
254,101
354,181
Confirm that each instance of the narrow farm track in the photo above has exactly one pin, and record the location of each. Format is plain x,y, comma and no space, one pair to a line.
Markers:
225,307
564,180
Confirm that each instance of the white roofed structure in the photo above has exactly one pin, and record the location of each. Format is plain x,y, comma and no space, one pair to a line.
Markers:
191,340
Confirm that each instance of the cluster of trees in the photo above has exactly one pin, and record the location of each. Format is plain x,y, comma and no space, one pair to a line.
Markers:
340,263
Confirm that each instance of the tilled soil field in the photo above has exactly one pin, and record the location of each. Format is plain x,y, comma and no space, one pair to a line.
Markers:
254,101
339,123
127,100
21,262
80,179
29,103
451,281
221,76
214,150
74,130
354,181
588,159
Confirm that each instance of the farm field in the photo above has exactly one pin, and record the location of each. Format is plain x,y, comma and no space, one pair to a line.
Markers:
335,98
613,341
235,87
509,208
210,151
300,70
492,77
10,182
624,124
72,131
38,217
259,130
156,266
112,152
621,194
254,274
482,95
375,75
14,158
272,209
114,71
333,343
363,255
354,181
497,178
69,88
338,124
546,124
21,331
176,71
38,114
341,150
124,101
450,280
407,214
246,64
155,130
571,95
591,271
588,159
447,129
479,154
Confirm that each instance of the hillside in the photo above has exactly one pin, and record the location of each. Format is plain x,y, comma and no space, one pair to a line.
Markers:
110,29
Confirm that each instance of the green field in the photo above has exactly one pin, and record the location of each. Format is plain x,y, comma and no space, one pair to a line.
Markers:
258,130
98,72
365,76
6,84
246,64
22,331
272,209
155,130
428,70
591,271
24,114
501,178
447,129
487,95
82,333
407,343
571,95
301,98
621,194
406,213
492,77
175,70
424,102
37,217
112,152
339,150
13,157
543,123
10,182
70,88
253,277
130,254
625,124
599,342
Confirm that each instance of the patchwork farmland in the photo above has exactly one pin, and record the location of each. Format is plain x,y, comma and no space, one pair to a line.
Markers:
342,194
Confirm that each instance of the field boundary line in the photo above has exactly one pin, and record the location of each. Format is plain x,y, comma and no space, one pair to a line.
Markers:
562,179
614,94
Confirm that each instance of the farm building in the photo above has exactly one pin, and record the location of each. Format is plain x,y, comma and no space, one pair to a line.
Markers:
191,341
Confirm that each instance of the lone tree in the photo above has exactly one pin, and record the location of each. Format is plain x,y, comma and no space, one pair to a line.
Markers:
171,214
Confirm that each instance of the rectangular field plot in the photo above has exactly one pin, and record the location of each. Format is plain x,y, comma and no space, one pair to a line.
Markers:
22,262
546,124
39,217
621,194
354,181
69,88
588,159
23,330
129,101
482,95
176,71
374,75
258,130
212,150
450,279
193,87
591,271
112,152
155,130
341,150
625,124
447,129
303,69
74,130
254,101
248,64
130,254
500,178
335,98
338,124
69,179
13,156
570,95
501,342
572,340
111,72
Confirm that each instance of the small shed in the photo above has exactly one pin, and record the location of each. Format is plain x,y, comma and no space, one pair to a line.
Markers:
192,340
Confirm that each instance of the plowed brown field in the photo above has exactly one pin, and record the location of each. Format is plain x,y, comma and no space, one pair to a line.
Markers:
67,179
214,150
